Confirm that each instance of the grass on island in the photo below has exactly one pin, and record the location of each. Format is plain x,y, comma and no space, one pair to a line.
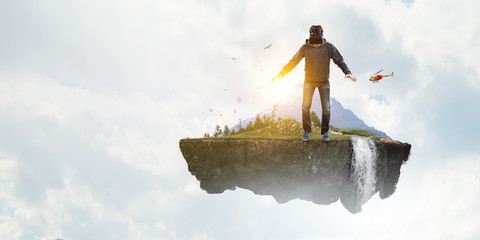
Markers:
292,129
354,131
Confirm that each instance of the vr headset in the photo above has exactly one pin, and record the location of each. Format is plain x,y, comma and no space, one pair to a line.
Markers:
316,33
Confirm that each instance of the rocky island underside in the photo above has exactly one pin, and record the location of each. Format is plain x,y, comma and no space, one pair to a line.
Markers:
317,171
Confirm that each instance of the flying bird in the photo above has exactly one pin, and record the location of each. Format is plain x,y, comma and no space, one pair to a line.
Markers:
267,47
234,59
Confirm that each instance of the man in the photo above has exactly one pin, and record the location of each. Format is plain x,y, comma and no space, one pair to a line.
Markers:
317,52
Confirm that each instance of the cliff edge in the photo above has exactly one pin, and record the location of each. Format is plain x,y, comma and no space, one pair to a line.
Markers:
322,172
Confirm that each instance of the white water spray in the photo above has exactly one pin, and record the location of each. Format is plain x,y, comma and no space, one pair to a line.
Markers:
363,163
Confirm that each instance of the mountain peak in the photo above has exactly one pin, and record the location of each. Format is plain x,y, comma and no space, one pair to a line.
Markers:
340,117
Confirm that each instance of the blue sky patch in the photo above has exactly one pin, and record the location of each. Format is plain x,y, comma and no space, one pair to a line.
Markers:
380,98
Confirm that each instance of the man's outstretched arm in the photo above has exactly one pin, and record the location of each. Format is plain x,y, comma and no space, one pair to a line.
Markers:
276,77
291,64
338,59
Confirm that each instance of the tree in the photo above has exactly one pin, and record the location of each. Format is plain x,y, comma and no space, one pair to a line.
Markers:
218,131
315,119
258,123
272,119
265,120
249,126
240,128
226,131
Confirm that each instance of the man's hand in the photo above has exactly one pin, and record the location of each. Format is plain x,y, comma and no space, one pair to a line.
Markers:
276,77
351,77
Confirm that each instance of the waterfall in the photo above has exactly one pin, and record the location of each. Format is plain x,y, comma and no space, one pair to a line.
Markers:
363,166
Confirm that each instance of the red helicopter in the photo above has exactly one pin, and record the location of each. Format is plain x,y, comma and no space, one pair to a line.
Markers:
374,77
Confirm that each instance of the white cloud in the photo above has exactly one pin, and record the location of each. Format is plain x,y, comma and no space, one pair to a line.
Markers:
451,193
74,150
192,188
442,204
111,122
8,228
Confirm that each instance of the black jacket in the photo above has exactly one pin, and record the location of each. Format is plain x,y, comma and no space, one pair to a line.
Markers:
317,62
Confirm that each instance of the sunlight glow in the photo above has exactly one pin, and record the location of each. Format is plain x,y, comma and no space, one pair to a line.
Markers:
280,88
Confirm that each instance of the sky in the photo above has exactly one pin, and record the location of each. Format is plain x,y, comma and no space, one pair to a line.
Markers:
95,96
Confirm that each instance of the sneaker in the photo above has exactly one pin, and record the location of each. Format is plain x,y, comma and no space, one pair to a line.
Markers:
305,137
325,137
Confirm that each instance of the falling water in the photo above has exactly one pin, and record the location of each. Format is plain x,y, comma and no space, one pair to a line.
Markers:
363,164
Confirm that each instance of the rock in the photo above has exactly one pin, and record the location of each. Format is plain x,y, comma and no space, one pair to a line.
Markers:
315,171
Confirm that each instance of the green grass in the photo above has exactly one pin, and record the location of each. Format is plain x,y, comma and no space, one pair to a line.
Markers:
360,132
292,129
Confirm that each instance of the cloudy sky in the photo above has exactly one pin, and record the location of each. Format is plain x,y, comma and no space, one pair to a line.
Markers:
95,96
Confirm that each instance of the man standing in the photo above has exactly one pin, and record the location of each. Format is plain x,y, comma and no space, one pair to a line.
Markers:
317,52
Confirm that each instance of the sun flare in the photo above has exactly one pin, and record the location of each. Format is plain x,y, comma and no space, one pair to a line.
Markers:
280,88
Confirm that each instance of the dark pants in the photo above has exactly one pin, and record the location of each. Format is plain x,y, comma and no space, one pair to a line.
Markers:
308,91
